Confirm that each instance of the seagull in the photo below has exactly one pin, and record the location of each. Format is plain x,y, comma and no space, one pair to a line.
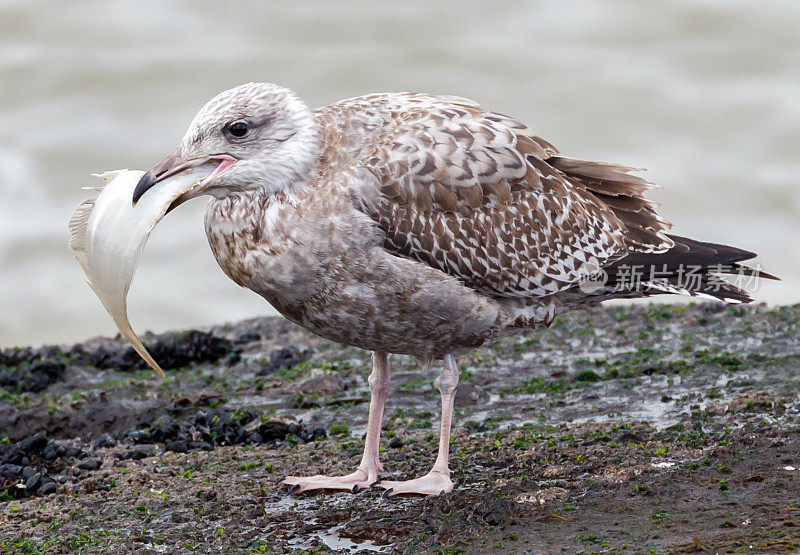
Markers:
422,225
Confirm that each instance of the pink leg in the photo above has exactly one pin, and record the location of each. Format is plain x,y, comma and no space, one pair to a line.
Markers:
367,472
437,481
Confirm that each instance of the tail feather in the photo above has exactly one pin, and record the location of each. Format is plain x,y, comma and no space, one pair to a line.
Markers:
690,267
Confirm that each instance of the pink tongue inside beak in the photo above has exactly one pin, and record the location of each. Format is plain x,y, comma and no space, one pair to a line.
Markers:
225,163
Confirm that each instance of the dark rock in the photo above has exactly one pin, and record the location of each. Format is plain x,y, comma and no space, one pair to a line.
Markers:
32,370
630,436
287,357
178,404
89,464
494,511
53,451
17,355
172,350
10,471
137,453
72,452
230,359
395,443
476,427
246,417
104,440
11,454
467,394
33,444
28,472
48,488
33,482
273,431
184,348
177,446
248,337
139,436
163,432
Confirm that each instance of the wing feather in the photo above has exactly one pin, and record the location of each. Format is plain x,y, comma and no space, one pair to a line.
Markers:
478,196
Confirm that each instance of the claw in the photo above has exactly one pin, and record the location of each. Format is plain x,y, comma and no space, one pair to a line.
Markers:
387,493
359,480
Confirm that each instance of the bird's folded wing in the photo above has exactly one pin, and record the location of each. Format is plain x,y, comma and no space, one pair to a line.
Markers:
477,196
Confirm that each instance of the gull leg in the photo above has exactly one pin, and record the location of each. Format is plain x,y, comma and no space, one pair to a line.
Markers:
367,472
437,481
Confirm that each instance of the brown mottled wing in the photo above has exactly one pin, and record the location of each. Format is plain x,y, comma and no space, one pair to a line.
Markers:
477,196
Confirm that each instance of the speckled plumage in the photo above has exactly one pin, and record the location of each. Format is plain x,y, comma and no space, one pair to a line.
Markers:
423,225
427,225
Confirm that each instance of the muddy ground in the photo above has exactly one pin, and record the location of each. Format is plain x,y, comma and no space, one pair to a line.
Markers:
649,428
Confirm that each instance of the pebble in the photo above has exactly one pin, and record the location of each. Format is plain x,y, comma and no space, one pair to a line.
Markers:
137,453
89,464
104,440
54,451
34,443
255,437
201,432
33,482
48,488
10,471
176,446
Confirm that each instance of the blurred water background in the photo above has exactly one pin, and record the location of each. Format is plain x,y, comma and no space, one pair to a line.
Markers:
703,93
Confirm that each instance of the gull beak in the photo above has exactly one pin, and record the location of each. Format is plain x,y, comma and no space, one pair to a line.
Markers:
174,164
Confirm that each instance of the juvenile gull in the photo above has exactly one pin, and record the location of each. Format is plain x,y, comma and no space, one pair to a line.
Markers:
424,225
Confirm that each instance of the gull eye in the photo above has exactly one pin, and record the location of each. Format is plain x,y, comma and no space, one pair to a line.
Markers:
238,129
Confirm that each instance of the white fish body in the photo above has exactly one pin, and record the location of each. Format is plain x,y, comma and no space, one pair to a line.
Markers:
108,234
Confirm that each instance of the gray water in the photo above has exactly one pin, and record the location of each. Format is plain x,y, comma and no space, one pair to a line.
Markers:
703,93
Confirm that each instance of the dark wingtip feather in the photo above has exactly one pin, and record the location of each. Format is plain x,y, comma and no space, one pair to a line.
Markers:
716,260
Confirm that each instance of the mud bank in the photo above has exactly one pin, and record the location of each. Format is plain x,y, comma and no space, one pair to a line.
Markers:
666,428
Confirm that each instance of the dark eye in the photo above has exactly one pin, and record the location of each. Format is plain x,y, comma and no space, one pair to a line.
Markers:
238,129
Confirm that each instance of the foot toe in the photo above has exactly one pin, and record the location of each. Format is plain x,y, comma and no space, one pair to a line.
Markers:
355,482
433,483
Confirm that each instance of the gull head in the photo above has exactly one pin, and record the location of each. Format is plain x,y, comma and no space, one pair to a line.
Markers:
256,136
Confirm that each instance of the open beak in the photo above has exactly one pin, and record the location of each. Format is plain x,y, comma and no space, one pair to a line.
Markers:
206,167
